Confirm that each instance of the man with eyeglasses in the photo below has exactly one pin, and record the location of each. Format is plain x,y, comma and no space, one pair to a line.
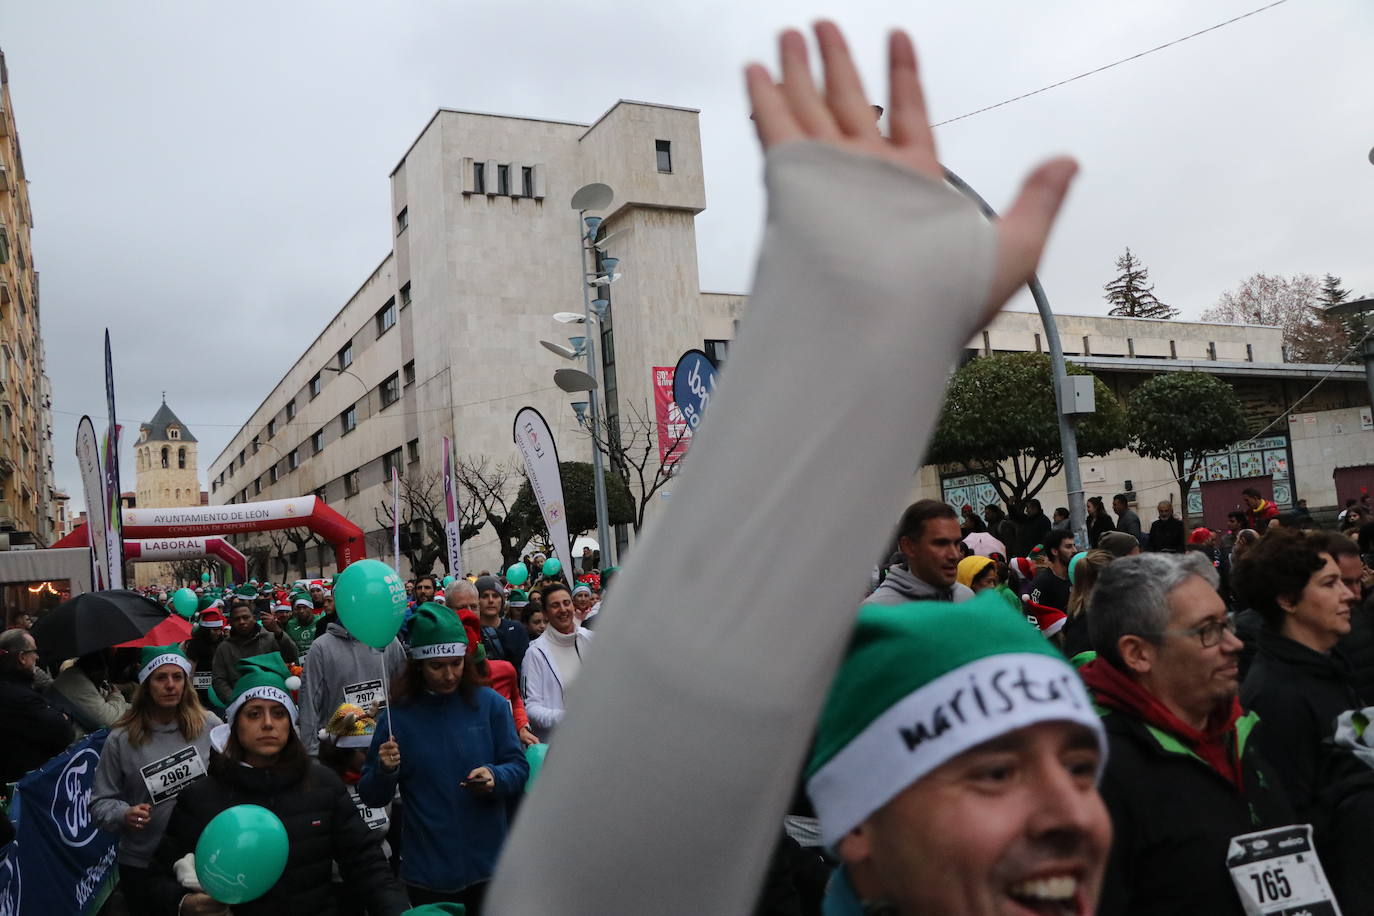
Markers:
1184,774
33,730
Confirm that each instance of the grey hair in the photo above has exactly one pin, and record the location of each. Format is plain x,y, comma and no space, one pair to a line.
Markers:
459,585
12,642
1132,597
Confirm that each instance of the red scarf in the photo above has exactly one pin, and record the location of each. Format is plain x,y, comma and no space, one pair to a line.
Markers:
1216,744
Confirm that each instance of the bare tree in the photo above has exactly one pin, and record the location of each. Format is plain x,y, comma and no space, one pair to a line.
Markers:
302,540
278,543
259,559
424,519
633,448
489,490
1294,305
184,571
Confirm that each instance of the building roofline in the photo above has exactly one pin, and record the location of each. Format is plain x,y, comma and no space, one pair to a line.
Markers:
1219,324
298,361
1221,367
719,292
591,127
480,114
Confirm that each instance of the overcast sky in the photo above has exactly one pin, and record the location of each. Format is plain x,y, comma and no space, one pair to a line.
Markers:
210,181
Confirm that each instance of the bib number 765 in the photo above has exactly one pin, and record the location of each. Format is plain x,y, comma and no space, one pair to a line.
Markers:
1271,885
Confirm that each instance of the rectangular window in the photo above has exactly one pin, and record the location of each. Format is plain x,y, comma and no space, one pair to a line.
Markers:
316,386
386,318
319,494
243,495
256,445
317,441
346,355
391,389
527,181
479,177
409,371
405,295
402,220
413,450
293,460
348,420
257,486
272,474
351,483
663,149
271,428
503,179
242,458
291,409
392,461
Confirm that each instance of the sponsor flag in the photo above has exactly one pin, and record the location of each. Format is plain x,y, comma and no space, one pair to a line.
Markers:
93,488
114,531
452,531
396,519
537,448
694,381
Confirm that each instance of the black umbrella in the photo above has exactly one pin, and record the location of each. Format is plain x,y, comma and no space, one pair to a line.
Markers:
96,620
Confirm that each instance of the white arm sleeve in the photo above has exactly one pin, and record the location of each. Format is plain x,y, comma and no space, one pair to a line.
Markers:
686,729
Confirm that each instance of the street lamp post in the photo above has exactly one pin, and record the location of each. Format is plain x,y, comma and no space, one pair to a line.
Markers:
1068,436
593,197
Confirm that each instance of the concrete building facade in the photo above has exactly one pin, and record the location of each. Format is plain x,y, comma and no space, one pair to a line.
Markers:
442,339
27,504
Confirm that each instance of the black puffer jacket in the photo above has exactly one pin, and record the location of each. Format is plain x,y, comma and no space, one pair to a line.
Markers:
33,730
1298,693
323,827
1173,817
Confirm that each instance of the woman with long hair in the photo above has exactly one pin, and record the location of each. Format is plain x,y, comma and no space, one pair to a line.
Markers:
157,748
450,745
1099,522
1073,639
257,758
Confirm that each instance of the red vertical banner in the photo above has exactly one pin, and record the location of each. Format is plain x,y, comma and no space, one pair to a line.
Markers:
674,435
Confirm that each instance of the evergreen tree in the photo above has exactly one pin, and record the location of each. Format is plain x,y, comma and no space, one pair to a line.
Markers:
1349,329
1132,295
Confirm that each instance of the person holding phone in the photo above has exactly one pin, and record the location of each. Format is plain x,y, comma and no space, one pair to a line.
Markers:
450,746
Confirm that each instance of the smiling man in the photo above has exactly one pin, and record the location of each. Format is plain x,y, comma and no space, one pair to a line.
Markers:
1185,772
955,768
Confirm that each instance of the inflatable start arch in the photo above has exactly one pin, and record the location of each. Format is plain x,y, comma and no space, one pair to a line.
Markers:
157,550
309,512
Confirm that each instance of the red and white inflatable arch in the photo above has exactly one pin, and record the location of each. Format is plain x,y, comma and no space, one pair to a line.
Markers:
157,550
200,521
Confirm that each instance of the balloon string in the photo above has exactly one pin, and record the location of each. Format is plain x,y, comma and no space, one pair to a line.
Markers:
386,696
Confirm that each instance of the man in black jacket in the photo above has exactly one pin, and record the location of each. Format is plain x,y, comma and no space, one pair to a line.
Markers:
1184,774
33,730
504,639
1167,531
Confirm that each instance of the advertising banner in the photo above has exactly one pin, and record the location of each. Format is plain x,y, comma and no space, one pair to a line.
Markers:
452,531
114,530
674,435
190,521
537,448
59,861
93,488
396,519
694,381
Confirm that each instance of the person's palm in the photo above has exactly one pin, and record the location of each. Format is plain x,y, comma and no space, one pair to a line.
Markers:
795,109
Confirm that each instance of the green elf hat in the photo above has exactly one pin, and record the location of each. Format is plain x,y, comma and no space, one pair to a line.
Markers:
302,598
263,677
517,598
152,658
202,603
246,591
922,683
435,632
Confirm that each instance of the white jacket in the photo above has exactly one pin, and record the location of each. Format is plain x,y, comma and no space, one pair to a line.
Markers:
541,684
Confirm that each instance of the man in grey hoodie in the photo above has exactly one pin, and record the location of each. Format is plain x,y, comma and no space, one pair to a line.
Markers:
340,669
928,538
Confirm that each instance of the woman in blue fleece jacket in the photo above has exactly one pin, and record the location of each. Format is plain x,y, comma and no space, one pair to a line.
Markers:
456,758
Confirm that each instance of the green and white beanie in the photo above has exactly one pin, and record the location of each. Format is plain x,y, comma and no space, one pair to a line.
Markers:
152,658
436,632
301,598
263,677
922,683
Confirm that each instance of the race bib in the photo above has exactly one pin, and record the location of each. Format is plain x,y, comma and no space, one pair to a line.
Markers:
364,694
374,818
201,680
170,775
1277,872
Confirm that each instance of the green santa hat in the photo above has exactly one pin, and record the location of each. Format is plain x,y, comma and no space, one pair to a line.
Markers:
246,591
150,658
263,677
436,632
922,683
517,598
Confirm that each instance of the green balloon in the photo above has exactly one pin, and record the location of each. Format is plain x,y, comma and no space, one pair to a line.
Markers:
448,580
241,853
185,602
517,574
552,567
370,599
205,577
534,756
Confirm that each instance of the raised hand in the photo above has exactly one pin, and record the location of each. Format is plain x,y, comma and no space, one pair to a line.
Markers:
841,115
